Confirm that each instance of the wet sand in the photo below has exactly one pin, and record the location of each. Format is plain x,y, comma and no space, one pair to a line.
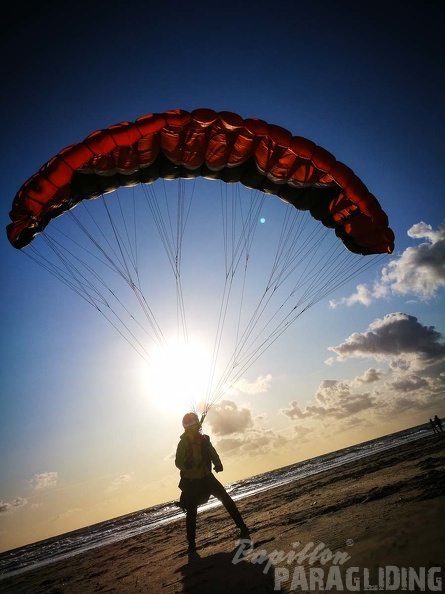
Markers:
384,511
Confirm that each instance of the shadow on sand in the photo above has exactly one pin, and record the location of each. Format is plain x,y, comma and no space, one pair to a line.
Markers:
219,574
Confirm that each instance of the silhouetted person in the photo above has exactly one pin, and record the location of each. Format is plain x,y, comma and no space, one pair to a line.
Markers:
194,457
433,426
438,423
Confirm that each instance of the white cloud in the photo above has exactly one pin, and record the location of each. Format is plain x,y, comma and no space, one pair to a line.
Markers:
39,481
370,376
362,295
401,340
294,411
226,418
237,430
66,514
259,386
43,480
119,482
333,399
415,376
302,431
419,271
10,506
253,442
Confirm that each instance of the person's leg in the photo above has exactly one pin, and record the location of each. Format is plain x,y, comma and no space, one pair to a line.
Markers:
218,491
190,524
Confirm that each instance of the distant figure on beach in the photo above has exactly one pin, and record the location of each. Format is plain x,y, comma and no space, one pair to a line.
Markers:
438,423
194,457
433,426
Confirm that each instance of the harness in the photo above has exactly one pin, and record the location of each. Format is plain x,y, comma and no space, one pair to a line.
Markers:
195,492
203,442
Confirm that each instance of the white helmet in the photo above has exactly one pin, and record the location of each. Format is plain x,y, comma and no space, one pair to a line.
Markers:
190,419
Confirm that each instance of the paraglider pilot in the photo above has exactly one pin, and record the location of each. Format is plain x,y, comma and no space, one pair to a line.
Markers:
194,457
438,423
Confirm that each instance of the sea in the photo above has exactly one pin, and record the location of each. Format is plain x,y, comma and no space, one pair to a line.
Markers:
38,554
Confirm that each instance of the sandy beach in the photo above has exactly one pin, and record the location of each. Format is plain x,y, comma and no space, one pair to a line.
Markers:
384,511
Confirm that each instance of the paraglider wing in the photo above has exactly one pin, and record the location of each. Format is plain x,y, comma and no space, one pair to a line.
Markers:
209,144
126,255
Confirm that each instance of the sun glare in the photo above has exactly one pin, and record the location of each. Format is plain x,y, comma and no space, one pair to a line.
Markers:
177,377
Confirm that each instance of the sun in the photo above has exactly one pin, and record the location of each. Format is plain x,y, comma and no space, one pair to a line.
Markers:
178,375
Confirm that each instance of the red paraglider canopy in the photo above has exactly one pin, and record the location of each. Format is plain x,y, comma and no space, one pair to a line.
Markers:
213,145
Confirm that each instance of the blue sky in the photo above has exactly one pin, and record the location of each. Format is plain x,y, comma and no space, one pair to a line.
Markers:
82,436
